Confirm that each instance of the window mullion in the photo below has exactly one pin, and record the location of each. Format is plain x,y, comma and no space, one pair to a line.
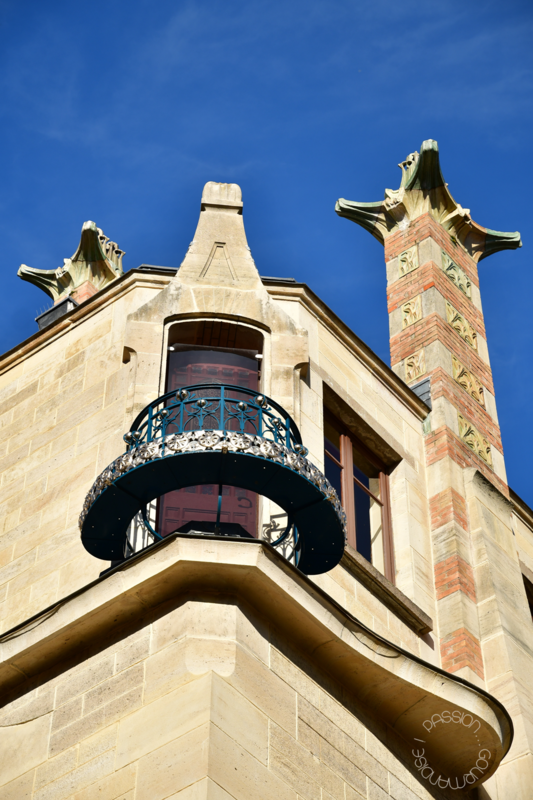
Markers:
386,519
348,499
367,491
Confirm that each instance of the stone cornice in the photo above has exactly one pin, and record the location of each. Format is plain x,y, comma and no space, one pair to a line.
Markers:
397,688
521,509
390,595
344,334
113,291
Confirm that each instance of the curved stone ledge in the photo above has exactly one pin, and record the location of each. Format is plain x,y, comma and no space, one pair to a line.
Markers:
431,710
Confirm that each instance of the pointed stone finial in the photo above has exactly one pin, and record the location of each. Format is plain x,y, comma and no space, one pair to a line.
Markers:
423,191
219,254
96,262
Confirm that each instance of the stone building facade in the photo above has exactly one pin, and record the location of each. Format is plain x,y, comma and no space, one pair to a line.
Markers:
201,665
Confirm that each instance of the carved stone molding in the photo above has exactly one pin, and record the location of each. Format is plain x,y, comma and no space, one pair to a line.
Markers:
415,366
468,381
474,440
411,311
219,263
461,325
408,261
424,191
456,274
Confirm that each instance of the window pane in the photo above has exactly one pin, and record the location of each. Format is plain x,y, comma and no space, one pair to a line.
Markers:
376,526
187,367
333,474
362,521
332,440
362,466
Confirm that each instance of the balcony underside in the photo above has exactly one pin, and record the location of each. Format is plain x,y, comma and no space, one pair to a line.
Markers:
410,698
282,476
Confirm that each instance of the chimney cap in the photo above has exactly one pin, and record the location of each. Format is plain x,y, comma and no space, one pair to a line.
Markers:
225,195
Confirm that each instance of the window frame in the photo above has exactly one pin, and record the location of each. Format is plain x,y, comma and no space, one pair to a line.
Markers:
211,330
349,440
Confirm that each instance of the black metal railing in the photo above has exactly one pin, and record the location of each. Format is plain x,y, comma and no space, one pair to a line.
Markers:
212,406
223,435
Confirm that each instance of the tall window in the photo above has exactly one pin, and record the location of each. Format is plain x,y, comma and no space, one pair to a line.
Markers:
360,479
209,351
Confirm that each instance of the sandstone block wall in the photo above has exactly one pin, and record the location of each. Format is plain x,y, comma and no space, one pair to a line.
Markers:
204,701
336,365
67,397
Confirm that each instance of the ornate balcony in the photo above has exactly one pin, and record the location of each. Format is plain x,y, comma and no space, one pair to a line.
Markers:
213,434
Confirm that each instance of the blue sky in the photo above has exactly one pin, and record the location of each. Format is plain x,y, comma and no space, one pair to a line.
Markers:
120,111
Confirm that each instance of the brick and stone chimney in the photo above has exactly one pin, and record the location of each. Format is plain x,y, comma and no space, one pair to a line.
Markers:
96,262
438,346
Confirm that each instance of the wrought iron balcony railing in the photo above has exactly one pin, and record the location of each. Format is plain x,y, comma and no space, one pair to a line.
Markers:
207,407
216,434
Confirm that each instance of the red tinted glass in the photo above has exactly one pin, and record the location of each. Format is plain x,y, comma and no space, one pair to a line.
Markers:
199,504
187,367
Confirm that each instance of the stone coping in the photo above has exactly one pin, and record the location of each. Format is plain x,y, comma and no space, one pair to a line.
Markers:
521,509
159,277
154,279
395,600
283,290
400,689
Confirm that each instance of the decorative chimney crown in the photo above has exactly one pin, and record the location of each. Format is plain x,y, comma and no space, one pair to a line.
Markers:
222,195
423,191
96,262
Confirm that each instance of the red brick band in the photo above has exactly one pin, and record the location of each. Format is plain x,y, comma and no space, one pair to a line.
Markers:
425,227
447,506
443,443
425,277
434,329
461,649
443,385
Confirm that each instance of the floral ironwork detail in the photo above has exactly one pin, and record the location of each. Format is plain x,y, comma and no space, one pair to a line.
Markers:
207,407
194,441
468,381
474,440
456,274
461,325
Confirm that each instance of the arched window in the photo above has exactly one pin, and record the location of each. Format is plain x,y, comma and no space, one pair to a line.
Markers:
202,352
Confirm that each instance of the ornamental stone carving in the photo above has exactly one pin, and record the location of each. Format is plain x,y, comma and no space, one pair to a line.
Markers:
423,190
468,381
456,274
408,261
97,262
415,366
461,325
411,311
474,440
